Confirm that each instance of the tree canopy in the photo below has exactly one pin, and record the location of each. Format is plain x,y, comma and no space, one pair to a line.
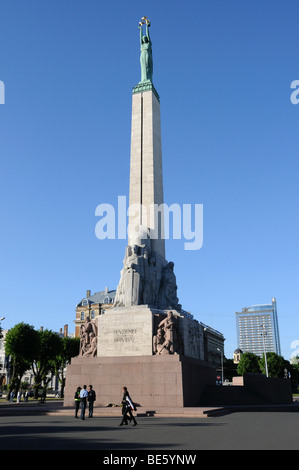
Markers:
21,344
276,365
43,351
249,362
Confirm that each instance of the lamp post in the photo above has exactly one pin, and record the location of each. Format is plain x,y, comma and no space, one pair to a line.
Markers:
1,365
263,335
221,352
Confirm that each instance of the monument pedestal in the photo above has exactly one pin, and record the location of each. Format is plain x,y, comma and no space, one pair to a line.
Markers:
159,371
153,381
130,331
126,331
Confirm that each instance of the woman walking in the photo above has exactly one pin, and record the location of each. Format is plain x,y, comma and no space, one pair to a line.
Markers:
127,408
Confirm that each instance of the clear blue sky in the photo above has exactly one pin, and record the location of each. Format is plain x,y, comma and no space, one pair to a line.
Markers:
229,137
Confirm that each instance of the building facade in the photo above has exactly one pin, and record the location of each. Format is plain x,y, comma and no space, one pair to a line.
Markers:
93,306
257,329
213,346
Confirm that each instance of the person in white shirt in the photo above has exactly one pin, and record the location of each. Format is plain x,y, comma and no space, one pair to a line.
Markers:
83,399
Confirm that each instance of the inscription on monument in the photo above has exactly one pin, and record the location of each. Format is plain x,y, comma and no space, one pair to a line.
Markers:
124,335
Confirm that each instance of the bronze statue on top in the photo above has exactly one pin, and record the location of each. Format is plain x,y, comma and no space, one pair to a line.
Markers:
146,54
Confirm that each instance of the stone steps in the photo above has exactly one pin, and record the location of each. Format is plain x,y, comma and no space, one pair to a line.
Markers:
171,412
229,395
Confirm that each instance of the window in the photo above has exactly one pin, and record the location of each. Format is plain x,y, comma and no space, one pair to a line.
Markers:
82,315
93,314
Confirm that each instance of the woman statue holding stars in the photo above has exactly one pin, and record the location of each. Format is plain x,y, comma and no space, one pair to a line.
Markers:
146,56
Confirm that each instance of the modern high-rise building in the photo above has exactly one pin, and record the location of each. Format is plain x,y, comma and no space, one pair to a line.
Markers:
257,329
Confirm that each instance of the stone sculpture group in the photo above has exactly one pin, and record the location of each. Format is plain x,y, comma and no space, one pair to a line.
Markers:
167,339
146,279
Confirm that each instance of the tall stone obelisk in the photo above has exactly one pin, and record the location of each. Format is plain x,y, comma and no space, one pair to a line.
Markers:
145,267
147,285
146,180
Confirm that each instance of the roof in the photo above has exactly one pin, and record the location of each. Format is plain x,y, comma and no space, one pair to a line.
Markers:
238,351
99,297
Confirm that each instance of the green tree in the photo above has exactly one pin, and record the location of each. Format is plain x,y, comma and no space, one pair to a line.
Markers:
70,348
50,347
249,362
21,345
276,365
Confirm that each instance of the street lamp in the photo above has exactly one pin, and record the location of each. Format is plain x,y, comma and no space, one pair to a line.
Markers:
1,365
221,352
263,335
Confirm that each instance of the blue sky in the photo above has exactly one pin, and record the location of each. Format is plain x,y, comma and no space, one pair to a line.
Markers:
229,140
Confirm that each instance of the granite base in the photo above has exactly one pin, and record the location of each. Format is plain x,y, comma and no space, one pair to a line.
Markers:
152,381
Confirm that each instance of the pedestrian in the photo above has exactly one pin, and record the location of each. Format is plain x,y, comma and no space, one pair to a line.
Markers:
11,396
19,396
77,401
91,399
26,394
127,408
83,399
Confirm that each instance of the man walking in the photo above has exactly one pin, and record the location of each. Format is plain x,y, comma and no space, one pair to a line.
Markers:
91,399
83,400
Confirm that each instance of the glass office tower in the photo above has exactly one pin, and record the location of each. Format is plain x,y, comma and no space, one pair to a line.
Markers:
257,329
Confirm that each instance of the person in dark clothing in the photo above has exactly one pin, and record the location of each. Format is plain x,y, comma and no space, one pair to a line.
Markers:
77,401
91,399
127,408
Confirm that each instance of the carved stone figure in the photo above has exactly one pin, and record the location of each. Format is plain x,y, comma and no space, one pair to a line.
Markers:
138,275
195,339
134,274
88,338
167,340
120,292
150,281
158,341
168,289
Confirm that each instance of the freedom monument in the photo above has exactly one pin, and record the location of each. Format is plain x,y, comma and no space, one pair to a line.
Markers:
146,341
